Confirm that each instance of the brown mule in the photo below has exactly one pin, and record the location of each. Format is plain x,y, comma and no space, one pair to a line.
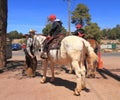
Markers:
91,69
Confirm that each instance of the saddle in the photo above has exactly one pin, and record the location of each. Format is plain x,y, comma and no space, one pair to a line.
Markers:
54,43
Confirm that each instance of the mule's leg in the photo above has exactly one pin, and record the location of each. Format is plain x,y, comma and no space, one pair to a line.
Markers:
94,59
94,69
89,67
44,72
83,76
71,69
52,72
76,67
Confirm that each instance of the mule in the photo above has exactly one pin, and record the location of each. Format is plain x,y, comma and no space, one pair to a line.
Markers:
72,51
91,67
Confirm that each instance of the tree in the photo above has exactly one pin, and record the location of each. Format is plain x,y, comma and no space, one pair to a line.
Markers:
113,33
93,31
14,35
104,33
3,28
81,15
46,30
117,31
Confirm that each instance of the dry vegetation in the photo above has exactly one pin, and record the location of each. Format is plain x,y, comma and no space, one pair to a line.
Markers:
110,41
17,40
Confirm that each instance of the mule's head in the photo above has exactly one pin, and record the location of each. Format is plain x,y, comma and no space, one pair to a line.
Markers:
38,42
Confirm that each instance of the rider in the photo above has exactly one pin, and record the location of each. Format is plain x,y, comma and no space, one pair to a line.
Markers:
79,31
53,34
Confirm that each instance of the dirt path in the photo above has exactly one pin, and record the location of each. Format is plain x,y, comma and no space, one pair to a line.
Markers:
106,85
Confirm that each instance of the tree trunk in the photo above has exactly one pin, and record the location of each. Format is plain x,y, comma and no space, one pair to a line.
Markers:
3,29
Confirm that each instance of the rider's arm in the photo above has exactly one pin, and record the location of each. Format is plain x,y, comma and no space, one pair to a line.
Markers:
75,33
54,26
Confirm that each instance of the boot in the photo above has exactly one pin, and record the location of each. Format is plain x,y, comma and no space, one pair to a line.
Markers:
44,55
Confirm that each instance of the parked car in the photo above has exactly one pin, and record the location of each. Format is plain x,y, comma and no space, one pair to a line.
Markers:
16,46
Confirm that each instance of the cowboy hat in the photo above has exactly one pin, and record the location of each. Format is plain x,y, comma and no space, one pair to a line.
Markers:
32,31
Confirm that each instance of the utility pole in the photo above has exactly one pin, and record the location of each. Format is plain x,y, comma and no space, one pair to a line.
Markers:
69,16
69,12
3,28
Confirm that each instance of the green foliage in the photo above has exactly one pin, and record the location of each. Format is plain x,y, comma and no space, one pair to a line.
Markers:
81,15
93,31
64,31
104,34
46,30
113,33
14,35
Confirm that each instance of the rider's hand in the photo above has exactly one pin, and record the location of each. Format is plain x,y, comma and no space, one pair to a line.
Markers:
81,35
48,37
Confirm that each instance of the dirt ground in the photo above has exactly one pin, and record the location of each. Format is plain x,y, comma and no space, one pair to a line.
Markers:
14,86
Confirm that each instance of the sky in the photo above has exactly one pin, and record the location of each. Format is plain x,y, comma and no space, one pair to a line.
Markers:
24,15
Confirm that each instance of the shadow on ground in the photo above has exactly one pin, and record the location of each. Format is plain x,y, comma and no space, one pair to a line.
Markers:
65,83
18,65
107,72
14,65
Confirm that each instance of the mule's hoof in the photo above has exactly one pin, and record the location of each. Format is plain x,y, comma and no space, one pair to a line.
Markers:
70,72
32,75
43,80
93,75
76,94
83,86
88,76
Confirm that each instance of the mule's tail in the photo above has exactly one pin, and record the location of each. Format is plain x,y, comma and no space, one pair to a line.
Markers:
63,50
90,50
